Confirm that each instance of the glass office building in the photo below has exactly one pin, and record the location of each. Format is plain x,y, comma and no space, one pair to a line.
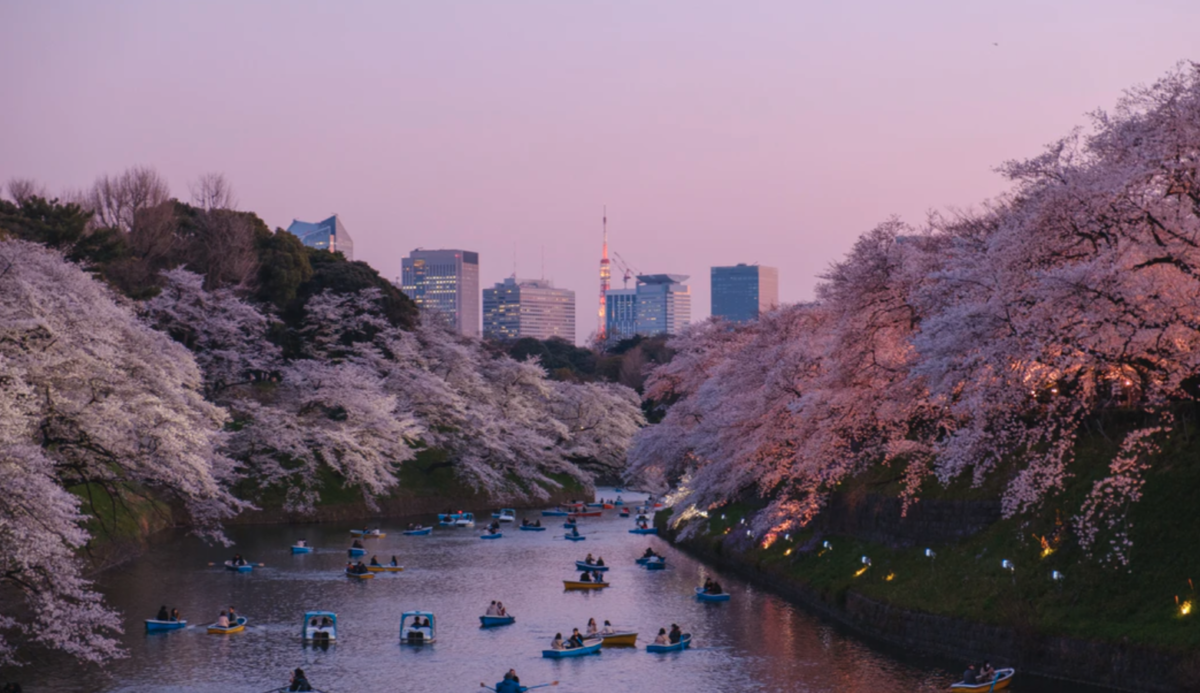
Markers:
517,308
444,283
328,234
620,318
664,304
742,292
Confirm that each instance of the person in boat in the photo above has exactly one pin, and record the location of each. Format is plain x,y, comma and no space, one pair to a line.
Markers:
349,566
589,560
223,620
374,561
970,677
585,576
662,637
394,564
361,569
500,607
233,617
174,614
313,623
592,629
299,681
574,531
508,685
356,545
676,634
600,562
302,542
986,672
326,622
607,629
162,614
649,553
492,610
576,639
557,642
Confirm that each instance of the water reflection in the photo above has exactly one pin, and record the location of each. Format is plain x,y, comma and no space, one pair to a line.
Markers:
756,642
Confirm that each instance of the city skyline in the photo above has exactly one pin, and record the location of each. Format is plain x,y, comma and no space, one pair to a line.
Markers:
774,134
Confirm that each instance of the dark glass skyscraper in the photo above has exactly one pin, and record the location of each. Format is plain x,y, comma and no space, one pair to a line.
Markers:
446,283
327,234
740,293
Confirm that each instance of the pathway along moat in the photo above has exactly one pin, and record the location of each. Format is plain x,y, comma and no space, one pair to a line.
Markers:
756,642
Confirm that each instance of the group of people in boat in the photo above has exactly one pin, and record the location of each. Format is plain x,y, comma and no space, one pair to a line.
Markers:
527,523
164,615
598,562
375,562
322,622
494,527
591,576
237,560
711,586
412,527
496,609
650,554
985,673
301,543
576,640
227,619
420,628
665,638
359,568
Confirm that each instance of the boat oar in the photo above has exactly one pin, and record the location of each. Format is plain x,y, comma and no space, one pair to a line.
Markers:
484,685
994,683
542,685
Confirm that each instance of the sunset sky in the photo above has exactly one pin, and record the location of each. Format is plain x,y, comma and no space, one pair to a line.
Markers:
715,132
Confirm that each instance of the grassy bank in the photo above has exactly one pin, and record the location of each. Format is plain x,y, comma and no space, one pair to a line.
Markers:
966,580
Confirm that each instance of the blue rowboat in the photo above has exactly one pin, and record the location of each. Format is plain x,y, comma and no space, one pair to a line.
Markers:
497,535
555,513
419,532
683,644
591,646
572,537
301,549
531,528
569,525
154,625
655,565
238,568
590,566
357,552
493,621
706,597
648,530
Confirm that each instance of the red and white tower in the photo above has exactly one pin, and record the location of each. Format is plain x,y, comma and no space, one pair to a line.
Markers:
605,276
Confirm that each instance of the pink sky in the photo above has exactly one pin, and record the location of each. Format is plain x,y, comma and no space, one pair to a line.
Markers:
716,132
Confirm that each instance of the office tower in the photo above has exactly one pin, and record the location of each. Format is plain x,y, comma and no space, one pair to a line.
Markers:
444,283
516,308
664,304
605,276
742,292
621,314
328,234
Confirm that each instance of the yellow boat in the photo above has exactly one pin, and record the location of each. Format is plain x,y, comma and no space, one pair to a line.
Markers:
360,576
385,568
236,627
622,639
1001,680
576,585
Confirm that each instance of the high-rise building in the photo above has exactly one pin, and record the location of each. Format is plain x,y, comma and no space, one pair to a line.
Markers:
444,283
328,234
742,292
516,308
605,276
664,303
621,314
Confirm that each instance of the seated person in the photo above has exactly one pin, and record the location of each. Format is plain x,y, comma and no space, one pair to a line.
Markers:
492,610
557,643
649,553
302,542
356,545
326,622
716,588
174,614
986,672
600,561
662,637
576,639
676,634
299,681
969,676
574,531
500,608
374,561
607,629
394,563
313,623
223,620
537,523
589,560
585,576
162,614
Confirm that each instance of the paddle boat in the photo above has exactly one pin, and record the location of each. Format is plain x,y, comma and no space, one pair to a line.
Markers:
359,576
367,533
297,548
237,626
584,565
466,520
706,597
413,634
532,528
491,535
1002,678
355,551
590,646
555,513
424,531
574,537
319,627
153,625
450,519
683,644
644,530
655,563
493,621
243,568
577,585
620,639
505,515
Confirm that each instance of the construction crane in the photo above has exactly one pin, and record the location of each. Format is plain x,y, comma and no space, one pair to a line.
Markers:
629,270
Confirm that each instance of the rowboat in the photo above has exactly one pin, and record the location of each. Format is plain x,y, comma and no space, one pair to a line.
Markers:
386,568
493,621
656,564
301,549
418,532
622,639
706,597
360,576
532,528
596,505
590,646
497,535
583,565
555,513
367,534
683,644
236,627
318,627
154,625
577,585
244,568
574,537
357,552
646,530
1001,680
587,513
646,559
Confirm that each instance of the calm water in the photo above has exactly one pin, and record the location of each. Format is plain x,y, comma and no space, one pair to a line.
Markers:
756,642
